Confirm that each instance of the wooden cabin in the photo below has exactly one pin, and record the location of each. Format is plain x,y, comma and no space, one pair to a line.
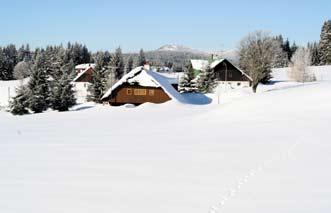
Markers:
82,81
225,72
84,73
85,76
140,86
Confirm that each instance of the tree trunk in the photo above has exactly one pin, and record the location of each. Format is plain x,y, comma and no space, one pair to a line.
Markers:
254,87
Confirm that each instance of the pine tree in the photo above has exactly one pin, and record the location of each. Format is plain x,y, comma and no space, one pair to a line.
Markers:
62,93
117,64
294,48
129,65
19,104
38,86
8,60
98,86
206,81
314,51
325,44
188,82
141,58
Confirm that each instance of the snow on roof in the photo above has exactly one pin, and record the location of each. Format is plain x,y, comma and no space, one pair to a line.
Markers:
84,66
81,74
216,62
199,64
147,78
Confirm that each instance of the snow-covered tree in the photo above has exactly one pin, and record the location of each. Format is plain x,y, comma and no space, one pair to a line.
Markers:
325,44
188,83
38,87
299,67
8,60
98,86
22,70
117,64
207,81
129,65
141,58
314,51
62,94
258,54
19,104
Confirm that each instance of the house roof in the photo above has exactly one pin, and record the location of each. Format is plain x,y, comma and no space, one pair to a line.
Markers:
217,62
147,78
81,74
199,64
84,66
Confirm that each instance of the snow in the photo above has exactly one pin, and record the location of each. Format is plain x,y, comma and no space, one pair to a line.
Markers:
265,152
322,73
199,64
84,66
8,90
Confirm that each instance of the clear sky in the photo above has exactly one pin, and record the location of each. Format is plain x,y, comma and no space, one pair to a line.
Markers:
148,24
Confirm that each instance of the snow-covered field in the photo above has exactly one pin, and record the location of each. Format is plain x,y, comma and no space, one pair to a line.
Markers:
268,152
8,90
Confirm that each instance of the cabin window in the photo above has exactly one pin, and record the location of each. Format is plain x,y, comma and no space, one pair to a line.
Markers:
140,92
230,74
129,91
151,92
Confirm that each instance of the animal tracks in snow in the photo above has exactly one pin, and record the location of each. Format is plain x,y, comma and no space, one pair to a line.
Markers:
233,191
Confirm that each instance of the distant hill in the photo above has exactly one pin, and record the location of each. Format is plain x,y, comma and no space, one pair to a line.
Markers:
180,48
178,56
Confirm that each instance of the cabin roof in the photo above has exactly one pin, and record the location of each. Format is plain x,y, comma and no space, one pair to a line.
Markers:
199,64
147,78
81,74
217,62
85,66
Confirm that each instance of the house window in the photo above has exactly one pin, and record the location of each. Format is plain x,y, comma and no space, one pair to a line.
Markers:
151,92
230,74
139,92
129,91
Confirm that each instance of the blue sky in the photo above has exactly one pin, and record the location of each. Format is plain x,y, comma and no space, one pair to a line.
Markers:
206,25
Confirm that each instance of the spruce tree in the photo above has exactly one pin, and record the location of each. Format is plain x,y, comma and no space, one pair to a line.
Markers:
117,64
98,86
325,44
188,83
19,104
129,65
141,58
38,86
207,80
62,93
314,52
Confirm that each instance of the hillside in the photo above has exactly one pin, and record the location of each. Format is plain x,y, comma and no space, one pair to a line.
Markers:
267,152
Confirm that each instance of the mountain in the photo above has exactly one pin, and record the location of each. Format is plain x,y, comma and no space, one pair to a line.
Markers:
231,54
180,48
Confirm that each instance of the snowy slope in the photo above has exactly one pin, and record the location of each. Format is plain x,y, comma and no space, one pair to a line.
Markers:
267,152
322,73
8,90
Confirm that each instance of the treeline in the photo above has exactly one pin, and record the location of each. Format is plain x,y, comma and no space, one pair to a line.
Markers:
16,63
259,52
